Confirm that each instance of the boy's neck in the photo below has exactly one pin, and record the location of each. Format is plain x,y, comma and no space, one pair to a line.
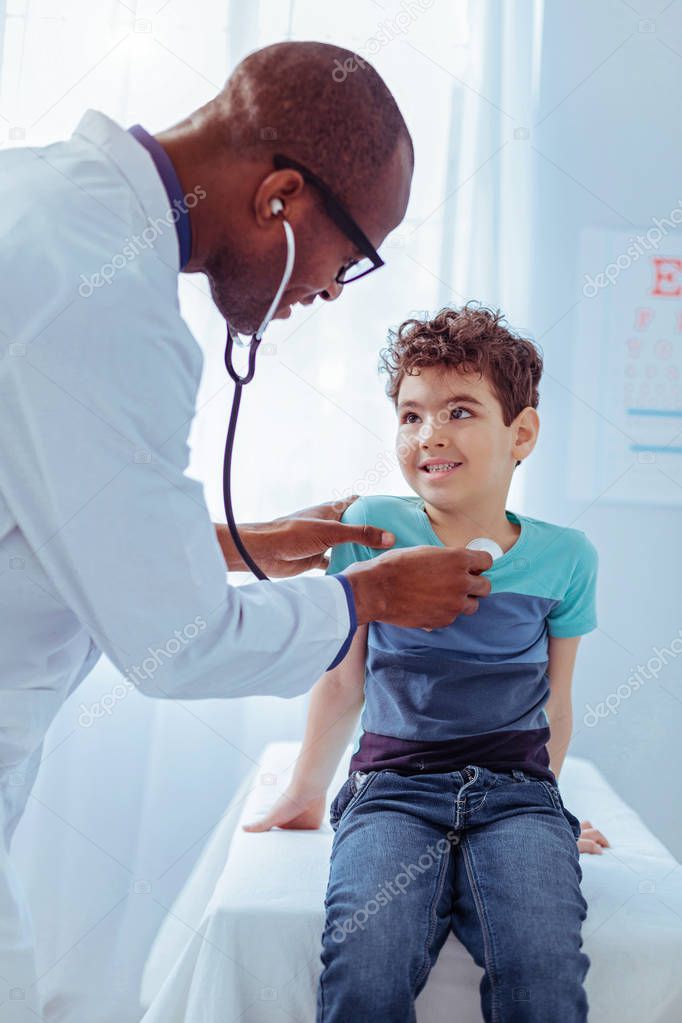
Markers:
456,527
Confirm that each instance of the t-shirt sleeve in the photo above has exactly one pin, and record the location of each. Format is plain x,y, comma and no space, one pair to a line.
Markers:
576,612
345,554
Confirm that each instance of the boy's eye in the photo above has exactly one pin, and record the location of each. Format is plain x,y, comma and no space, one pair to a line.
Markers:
456,413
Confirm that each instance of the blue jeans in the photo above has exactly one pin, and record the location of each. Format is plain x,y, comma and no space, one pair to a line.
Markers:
490,855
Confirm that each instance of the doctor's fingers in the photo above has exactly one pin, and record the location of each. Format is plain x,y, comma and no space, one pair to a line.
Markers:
469,607
366,536
479,586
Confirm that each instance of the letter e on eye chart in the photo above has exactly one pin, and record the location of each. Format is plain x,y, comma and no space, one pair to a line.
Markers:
626,337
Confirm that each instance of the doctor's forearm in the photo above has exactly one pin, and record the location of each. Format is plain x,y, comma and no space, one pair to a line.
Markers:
233,558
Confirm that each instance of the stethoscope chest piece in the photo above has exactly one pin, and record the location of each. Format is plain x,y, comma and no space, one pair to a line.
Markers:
484,543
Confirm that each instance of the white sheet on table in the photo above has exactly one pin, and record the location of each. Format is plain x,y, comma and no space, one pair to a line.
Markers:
243,942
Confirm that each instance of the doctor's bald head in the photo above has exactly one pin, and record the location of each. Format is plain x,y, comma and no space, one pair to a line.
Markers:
321,104
310,124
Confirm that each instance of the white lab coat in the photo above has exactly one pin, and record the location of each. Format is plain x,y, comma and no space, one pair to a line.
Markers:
105,544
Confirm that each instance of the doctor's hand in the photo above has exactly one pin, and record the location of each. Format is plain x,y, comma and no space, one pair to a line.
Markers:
419,587
295,543
591,840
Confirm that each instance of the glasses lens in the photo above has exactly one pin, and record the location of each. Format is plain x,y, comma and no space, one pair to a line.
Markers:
349,273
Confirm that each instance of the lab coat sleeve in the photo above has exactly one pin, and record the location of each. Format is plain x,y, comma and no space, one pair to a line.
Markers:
101,397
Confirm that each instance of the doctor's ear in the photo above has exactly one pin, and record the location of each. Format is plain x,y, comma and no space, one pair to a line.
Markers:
275,195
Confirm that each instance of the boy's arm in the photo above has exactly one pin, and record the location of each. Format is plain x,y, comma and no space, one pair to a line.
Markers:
335,704
559,708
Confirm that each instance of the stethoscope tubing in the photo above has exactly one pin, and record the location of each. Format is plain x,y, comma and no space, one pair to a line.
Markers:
227,474
240,381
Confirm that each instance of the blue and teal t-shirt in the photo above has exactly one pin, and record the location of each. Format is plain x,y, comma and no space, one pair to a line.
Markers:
472,692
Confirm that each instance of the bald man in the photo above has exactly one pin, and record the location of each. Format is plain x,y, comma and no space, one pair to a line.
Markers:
106,546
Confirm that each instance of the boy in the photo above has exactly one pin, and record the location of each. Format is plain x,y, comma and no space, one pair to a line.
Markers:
451,816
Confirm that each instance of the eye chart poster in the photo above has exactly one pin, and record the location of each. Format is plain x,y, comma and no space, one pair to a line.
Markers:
626,424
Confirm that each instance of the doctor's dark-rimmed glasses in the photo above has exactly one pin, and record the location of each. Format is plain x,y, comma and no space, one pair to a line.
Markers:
339,214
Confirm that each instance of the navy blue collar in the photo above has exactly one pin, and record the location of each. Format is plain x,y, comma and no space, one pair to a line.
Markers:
171,183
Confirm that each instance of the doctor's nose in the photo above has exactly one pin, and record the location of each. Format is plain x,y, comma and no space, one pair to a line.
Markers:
332,291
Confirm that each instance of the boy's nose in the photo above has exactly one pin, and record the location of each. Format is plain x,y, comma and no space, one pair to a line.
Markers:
431,435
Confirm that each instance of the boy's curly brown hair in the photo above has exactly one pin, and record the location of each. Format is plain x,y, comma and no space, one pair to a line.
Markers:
473,339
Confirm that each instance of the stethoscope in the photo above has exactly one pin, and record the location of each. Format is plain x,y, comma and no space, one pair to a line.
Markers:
276,207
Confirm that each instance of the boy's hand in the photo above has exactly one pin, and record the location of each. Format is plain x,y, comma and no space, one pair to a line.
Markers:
591,840
292,810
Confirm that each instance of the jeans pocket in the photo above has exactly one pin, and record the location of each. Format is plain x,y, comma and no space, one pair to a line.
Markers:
573,821
555,795
348,795
340,801
553,792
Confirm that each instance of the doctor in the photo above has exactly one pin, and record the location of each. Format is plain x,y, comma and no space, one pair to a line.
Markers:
106,546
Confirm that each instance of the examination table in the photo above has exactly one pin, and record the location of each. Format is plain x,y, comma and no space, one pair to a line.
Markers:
243,940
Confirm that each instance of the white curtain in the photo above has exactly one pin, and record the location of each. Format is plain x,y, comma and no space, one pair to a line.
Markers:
122,807
488,247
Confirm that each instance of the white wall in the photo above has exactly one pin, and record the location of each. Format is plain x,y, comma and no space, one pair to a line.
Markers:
608,153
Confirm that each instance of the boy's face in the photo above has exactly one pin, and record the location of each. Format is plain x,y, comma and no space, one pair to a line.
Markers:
446,415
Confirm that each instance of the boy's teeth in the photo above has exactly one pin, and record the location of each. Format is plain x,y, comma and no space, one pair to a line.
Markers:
438,468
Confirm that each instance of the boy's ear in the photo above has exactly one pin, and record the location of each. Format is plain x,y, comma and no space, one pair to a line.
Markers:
526,428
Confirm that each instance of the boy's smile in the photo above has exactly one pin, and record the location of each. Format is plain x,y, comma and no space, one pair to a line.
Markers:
436,468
